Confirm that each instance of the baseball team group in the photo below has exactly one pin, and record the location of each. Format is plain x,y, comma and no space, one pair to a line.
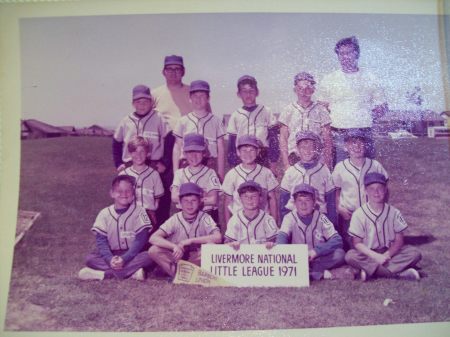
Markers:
307,177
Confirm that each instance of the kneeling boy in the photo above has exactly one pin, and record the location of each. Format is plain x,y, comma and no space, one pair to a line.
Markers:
377,232
181,236
122,231
305,225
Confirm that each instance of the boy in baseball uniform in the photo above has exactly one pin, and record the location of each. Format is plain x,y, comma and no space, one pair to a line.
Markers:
121,232
250,225
311,171
248,150
145,122
348,177
252,119
194,150
182,235
149,187
203,122
306,225
304,115
377,231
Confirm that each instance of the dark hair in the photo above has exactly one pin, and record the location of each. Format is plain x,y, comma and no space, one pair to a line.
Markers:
248,189
352,40
129,179
248,81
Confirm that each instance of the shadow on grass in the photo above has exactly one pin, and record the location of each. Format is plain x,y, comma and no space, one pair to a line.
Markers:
418,240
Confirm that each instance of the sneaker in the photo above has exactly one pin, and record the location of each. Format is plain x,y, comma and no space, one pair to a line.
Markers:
327,275
363,275
91,274
409,274
343,273
139,275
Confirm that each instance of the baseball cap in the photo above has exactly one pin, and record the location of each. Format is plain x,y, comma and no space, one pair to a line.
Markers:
355,133
248,140
249,184
190,188
194,142
374,177
302,135
199,85
304,76
250,79
304,188
141,91
173,59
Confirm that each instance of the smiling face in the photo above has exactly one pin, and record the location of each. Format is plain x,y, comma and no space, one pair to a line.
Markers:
199,100
307,150
248,94
247,154
376,193
139,155
194,158
142,105
190,205
304,203
250,200
347,56
123,194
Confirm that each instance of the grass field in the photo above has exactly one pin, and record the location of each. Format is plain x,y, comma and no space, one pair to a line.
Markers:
67,180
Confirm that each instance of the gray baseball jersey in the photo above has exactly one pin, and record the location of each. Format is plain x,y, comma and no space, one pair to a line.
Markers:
318,231
350,179
121,229
376,230
259,230
210,127
296,118
255,123
238,175
178,229
151,127
318,177
206,178
148,186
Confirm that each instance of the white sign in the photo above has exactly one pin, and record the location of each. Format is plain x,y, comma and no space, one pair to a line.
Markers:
257,266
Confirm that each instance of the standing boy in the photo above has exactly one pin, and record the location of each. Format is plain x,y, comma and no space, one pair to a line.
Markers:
203,122
305,225
144,122
182,235
121,232
252,119
149,186
310,171
194,150
304,115
377,232
348,177
250,225
248,150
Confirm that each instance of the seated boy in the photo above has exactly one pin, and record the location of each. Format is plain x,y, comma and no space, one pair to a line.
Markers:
305,225
181,236
310,171
248,150
149,187
145,122
121,232
194,149
250,225
203,122
348,177
252,119
377,232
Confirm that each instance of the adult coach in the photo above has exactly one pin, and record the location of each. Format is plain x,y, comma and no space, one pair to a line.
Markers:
172,102
355,98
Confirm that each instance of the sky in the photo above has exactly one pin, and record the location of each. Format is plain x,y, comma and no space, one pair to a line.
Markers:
80,70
